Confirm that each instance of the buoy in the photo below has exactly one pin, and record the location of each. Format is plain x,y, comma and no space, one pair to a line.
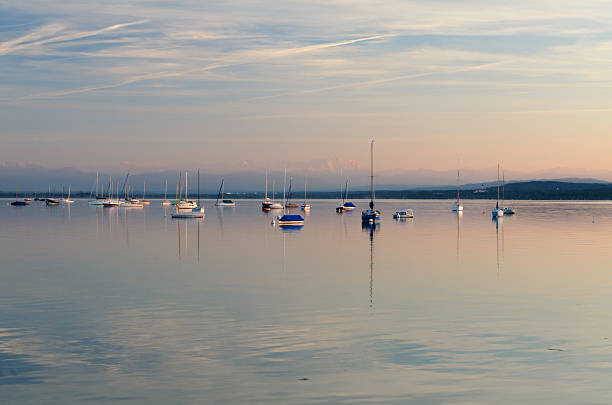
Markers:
483,212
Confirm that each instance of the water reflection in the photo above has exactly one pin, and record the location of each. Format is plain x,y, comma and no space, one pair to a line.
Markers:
79,317
182,236
371,229
499,223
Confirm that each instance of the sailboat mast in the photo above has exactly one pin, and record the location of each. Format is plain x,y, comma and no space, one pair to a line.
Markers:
198,186
97,174
166,190
457,186
304,189
185,186
179,189
345,191
503,187
497,204
266,184
372,174
284,187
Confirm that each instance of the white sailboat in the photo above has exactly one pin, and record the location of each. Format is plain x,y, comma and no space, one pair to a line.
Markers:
221,202
274,205
195,212
165,202
305,206
143,200
99,200
457,207
497,212
185,204
67,200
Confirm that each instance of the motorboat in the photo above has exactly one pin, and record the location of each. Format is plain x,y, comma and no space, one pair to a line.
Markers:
52,201
290,219
349,206
403,214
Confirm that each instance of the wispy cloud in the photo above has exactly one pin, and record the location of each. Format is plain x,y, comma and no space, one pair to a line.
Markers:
43,36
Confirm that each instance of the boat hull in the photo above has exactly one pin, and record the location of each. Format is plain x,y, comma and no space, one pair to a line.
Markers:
195,213
497,213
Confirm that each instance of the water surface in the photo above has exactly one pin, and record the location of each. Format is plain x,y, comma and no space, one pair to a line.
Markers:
111,305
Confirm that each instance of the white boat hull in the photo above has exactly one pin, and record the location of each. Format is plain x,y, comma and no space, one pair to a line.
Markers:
195,213
497,213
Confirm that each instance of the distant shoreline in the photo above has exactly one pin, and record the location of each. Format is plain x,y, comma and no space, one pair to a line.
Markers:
529,190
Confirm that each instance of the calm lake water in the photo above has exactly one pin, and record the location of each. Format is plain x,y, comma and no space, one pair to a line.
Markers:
111,305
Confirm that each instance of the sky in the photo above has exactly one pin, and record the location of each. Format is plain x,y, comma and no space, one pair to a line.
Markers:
247,85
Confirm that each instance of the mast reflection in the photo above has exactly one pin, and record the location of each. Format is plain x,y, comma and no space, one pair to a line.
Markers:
372,229
182,237
499,223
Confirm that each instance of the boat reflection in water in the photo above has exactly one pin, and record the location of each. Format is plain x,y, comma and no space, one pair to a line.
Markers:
182,237
372,229
499,223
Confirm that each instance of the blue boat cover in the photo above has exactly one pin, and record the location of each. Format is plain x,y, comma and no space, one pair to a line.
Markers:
349,204
291,217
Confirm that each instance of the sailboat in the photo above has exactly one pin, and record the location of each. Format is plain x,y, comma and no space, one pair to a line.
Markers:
305,206
18,203
348,206
67,200
51,200
143,200
185,204
457,207
197,211
507,210
288,203
165,202
274,205
223,202
130,202
99,200
340,207
266,203
371,215
497,212
112,202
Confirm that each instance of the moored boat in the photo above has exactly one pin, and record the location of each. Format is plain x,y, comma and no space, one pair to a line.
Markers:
221,202
403,214
371,215
497,212
195,212
290,219
457,207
